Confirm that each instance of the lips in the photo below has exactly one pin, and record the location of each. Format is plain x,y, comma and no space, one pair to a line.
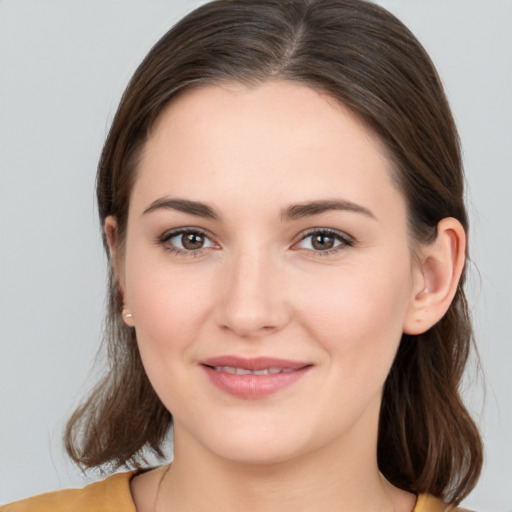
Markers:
253,378
243,371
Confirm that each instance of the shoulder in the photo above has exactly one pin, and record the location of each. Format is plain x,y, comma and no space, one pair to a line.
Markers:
429,503
109,495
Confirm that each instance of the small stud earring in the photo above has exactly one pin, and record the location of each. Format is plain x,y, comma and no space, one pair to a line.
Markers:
126,314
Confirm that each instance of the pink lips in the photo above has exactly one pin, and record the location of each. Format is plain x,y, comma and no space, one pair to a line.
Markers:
253,378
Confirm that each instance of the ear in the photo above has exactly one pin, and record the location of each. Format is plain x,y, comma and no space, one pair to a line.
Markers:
111,233
440,265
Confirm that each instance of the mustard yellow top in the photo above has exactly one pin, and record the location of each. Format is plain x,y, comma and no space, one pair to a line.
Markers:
113,495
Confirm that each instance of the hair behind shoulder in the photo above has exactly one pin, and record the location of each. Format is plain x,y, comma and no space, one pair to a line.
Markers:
366,59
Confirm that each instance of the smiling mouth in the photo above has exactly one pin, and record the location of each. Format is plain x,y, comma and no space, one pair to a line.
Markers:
253,378
244,371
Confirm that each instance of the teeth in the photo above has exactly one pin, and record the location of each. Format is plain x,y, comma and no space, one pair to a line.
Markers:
233,371
244,371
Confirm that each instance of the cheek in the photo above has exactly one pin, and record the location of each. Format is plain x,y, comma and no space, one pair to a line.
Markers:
359,320
168,306
168,312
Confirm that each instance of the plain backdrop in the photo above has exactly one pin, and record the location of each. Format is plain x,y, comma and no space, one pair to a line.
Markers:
63,66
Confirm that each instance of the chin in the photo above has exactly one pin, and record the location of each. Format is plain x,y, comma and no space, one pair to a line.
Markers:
260,445
258,454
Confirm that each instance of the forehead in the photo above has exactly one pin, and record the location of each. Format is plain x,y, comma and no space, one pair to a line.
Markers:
261,109
278,139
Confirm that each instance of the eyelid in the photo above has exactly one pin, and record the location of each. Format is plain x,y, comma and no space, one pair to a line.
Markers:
168,235
345,239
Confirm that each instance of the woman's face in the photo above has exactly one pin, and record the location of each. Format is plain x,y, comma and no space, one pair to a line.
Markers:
268,271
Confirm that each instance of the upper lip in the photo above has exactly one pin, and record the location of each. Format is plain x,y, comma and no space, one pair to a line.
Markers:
254,363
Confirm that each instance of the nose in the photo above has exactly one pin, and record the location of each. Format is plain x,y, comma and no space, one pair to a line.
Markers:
252,302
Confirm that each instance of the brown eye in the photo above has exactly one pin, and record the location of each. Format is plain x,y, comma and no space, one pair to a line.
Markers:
322,242
192,241
188,240
325,240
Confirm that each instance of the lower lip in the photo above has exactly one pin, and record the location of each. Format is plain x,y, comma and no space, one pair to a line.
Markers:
253,387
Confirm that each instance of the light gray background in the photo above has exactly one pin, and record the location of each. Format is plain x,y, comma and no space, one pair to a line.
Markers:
64,64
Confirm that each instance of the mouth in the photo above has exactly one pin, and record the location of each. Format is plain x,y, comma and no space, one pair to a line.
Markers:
253,378
244,371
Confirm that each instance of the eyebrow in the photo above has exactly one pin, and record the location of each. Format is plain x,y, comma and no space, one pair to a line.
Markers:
299,211
183,205
292,212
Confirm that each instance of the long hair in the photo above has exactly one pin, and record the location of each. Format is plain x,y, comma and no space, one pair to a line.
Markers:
363,57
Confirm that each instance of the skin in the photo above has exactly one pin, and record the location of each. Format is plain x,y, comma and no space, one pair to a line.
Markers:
258,287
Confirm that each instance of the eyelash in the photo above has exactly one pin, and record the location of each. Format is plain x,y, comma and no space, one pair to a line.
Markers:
345,241
164,239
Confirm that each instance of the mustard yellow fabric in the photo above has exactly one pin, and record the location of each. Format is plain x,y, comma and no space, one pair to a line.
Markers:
110,495
113,495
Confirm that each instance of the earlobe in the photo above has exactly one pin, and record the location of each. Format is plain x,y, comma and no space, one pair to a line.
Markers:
441,265
127,317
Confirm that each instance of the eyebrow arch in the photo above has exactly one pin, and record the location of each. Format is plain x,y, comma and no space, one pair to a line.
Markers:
298,211
293,212
183,205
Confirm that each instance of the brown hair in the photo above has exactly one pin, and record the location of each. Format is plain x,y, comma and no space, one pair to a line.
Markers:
364,57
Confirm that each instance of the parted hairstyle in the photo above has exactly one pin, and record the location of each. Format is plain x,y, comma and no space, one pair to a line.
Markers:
365,58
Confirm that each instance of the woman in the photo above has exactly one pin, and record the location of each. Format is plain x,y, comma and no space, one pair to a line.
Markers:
282,200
